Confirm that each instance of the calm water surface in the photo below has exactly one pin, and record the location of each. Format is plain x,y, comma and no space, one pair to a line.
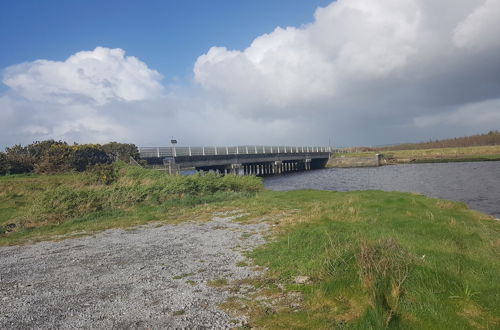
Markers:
477,184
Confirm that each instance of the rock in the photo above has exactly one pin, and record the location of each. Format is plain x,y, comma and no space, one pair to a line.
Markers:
301,279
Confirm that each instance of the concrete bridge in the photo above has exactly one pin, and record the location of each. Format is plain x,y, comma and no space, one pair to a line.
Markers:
240,160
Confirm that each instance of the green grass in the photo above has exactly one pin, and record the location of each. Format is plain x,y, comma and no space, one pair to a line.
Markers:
464,154
374,259
378,260
38,207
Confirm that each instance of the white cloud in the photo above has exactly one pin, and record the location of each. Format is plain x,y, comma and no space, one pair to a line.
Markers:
480,28
362,72
99,76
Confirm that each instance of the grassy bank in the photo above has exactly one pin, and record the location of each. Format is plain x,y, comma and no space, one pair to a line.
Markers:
367,259
38,207
373,260
464,154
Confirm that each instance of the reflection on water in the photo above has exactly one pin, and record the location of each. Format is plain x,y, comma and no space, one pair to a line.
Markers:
477,184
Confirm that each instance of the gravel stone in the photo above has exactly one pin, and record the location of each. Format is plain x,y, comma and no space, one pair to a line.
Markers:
146,277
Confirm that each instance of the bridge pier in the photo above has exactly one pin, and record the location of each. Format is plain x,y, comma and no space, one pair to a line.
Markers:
277,166
307,164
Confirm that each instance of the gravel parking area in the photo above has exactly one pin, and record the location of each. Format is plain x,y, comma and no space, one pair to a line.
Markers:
146,277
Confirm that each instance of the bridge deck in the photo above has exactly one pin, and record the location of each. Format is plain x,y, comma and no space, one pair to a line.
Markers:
260,160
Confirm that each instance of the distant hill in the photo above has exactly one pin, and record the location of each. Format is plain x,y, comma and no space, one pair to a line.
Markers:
488,139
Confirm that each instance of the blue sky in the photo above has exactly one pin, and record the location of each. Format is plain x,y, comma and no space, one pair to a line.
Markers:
167,35
289,72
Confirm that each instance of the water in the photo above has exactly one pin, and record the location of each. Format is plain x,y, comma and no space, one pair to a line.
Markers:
477,184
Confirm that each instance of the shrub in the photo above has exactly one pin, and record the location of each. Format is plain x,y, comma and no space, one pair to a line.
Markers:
57,158
38,148
4,164
121,151
102,174
19,159
89,154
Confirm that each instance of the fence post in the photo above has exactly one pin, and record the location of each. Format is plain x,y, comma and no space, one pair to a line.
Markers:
227,150
203,151
158,152
189,152
215,148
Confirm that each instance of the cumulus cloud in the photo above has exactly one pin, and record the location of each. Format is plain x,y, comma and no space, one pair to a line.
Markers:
99,76
480,28
362,72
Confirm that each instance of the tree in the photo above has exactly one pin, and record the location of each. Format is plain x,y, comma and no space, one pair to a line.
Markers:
121,151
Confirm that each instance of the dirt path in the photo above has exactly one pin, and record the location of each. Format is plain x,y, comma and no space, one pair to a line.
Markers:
148,277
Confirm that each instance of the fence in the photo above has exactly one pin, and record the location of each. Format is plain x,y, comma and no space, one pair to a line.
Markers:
151,152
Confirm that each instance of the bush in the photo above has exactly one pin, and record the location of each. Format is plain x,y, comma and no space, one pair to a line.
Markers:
19,159
89,154
39,148
57,158
4,164
121,151
61,158
102,174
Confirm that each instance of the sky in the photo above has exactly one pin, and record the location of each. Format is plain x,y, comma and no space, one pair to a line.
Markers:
226,72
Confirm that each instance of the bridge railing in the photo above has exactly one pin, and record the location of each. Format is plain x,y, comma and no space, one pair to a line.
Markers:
161,152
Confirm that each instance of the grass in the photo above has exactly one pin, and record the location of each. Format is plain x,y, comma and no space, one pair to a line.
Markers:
374,259
479,153
38,207
218,283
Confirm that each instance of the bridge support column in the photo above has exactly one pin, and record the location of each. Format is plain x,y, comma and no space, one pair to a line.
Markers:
236,169
307,164
278,166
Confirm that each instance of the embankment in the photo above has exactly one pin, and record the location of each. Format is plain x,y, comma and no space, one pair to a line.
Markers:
437,155
344,161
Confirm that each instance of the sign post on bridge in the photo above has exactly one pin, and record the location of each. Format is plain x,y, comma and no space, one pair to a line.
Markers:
173,142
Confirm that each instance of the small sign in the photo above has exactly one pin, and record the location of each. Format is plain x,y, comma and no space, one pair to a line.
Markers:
173,141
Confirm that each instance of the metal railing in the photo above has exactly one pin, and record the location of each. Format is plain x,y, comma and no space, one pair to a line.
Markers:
160,152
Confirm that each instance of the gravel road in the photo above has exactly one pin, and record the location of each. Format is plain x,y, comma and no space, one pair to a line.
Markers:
147,277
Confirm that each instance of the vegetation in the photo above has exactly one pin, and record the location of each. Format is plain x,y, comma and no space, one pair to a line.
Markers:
366,259
492,138
121,151
34,207
484,153
51,156
374,260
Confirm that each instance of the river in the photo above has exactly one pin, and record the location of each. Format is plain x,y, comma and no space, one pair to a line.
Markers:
475,183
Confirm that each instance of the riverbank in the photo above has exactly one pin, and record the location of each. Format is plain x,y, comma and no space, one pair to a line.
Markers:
437,155
348,259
